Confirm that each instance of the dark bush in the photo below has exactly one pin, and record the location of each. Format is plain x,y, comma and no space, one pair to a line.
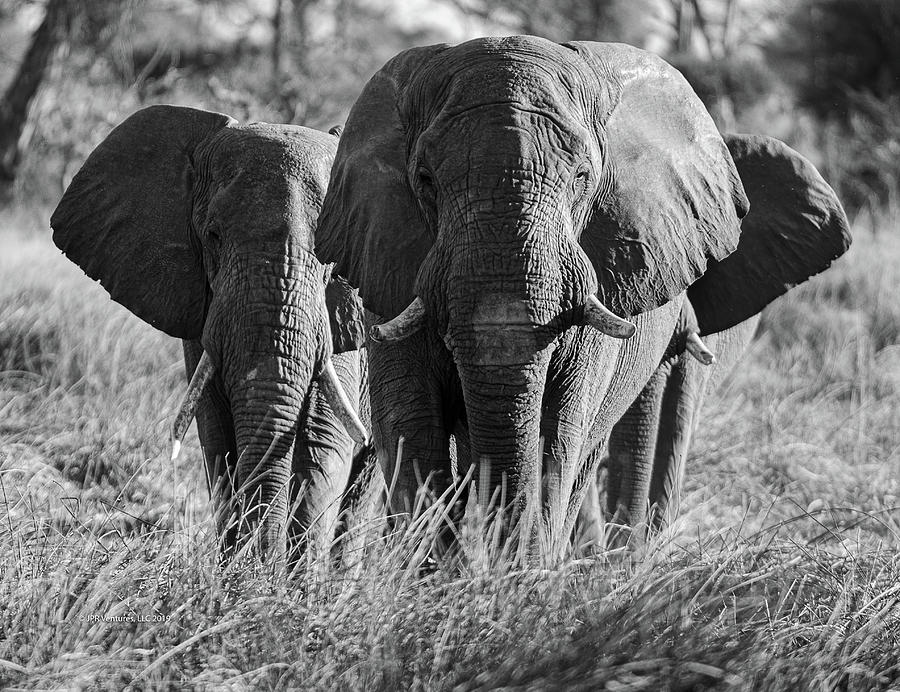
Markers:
862,154
742,80
832,49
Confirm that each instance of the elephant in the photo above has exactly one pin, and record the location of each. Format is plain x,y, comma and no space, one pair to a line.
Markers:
203,227
791,207
527,217
648,446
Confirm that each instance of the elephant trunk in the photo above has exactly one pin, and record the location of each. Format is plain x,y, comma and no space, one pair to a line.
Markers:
265,411
268,338
512,279
503,409
501,329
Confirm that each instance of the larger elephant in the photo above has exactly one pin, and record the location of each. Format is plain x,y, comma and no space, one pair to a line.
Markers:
506,203
203,228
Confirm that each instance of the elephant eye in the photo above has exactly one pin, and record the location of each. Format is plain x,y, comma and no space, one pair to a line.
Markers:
211,246
426,191
212,235
580,183
426,181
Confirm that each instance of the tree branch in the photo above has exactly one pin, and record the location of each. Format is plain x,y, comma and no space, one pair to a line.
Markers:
21,92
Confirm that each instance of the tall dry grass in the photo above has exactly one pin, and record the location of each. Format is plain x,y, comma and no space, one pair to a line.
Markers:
783,572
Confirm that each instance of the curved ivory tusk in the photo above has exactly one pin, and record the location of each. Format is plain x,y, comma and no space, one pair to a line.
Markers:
407,322
600,318
698,349
340,403
201,377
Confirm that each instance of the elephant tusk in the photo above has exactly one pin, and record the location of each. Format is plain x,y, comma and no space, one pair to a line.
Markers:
201,377
407,322
600,318
340,403
698,349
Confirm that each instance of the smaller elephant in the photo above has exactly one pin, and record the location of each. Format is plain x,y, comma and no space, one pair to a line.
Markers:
792,212
204,228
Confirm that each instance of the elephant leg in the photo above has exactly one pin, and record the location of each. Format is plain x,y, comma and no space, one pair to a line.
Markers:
685,391
576,386
680,402
215,429
322,460
409,424
632,451
590,525
363,515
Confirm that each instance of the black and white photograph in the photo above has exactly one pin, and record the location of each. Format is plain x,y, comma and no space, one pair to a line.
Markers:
450,345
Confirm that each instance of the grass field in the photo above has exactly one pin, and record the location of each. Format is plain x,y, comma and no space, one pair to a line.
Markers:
783,572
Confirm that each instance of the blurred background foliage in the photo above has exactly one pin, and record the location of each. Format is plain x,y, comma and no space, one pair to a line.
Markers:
823,75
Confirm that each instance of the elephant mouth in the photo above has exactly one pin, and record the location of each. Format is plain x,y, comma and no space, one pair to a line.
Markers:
203,374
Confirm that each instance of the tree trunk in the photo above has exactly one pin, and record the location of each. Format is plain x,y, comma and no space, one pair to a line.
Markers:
277,22
24,86
729,29
704,30
683,26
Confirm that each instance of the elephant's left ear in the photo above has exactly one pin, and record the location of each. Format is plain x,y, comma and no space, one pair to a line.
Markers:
345,315
669,199
795,229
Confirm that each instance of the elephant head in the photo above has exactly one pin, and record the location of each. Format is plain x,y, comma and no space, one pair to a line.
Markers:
203,228
505,190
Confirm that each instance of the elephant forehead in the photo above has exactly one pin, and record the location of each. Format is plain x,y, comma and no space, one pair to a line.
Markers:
265,154
266,174
505,145
526,73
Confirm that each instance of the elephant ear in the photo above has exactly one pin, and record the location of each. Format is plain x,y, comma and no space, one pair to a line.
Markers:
795,229
369,210
670,198
125,219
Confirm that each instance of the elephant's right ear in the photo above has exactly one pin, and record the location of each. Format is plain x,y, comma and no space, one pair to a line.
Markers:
370,225
125,219
795,229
